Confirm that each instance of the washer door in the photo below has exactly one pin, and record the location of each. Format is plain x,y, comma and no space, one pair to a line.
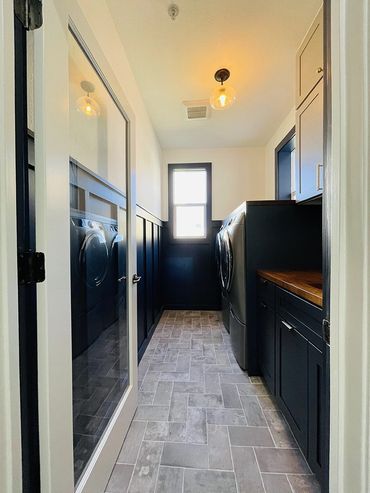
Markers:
94,259
218,253
226,265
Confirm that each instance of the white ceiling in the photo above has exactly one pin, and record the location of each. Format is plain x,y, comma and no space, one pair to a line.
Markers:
176,60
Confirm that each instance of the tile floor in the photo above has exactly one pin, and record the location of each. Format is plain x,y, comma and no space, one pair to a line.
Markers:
202,425
100,376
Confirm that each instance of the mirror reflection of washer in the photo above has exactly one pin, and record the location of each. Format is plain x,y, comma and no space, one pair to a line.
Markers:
92,271
94,257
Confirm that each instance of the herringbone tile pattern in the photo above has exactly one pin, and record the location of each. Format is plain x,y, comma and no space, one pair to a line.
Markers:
202,424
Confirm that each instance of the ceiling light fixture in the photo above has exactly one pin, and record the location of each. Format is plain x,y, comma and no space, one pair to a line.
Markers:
86,104
223,96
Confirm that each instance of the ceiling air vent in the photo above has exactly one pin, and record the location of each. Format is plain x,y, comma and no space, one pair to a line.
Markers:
197,110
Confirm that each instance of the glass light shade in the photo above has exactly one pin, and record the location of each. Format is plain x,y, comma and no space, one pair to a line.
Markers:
88,106
222,97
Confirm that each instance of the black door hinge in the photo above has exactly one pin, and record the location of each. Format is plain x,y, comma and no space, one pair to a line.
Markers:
29,12
31,267
326,330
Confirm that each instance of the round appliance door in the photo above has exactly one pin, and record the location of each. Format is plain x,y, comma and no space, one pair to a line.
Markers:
94,259
226,264
218,253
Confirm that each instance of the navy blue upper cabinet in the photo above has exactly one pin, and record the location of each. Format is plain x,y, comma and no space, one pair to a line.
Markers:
310,113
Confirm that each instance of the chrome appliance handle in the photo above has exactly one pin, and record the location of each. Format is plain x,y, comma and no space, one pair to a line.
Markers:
288,326
136,279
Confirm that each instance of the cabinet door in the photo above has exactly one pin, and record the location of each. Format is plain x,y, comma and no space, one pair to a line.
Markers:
317,409
310,148
310,60
292,381
266,335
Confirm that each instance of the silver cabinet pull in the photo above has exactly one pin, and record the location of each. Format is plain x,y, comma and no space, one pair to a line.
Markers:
288,326
319,171
136,279
121,279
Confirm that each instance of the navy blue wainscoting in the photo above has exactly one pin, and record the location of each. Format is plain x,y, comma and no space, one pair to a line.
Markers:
189,276
149,267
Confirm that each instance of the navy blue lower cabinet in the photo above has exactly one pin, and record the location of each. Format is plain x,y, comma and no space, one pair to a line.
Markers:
301,376
293,360
266,337
292,379
317,433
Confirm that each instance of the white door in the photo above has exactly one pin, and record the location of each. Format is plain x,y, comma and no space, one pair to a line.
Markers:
85,220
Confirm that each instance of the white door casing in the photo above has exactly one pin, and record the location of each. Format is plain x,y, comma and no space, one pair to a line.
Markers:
52,237
350,247
10,426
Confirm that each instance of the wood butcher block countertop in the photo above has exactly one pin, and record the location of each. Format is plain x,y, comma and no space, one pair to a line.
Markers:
306,284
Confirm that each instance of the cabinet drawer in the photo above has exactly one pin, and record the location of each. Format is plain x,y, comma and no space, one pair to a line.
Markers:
310,60
266,291
302,315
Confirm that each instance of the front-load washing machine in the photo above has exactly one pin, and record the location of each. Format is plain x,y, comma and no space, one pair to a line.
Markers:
93,277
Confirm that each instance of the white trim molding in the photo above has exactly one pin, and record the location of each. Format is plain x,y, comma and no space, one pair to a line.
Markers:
350,273
10,424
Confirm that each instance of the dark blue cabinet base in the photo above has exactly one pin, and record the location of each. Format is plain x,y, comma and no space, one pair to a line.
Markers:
293,360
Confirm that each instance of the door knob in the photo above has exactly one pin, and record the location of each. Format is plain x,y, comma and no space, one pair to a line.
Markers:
136,279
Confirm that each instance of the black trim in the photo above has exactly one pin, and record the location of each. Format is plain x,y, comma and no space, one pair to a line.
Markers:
26,292
171,169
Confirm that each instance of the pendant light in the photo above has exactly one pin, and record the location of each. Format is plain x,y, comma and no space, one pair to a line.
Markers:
86,104
223,96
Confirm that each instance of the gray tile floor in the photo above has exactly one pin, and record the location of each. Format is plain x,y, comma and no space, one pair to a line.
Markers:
202,425
100,376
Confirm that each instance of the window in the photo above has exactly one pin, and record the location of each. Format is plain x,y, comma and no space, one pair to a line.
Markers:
189,200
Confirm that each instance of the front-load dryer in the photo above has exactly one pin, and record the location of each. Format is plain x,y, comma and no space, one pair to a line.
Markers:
237,287
91,279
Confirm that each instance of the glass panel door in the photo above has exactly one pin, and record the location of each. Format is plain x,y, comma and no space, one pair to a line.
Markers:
98,134
84,217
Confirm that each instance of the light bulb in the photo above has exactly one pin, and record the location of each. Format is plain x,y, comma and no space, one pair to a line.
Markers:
222,97
88,106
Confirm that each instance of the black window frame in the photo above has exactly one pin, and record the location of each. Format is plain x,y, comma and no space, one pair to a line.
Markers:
183,166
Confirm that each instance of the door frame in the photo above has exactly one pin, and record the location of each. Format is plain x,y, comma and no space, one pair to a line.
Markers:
349,204
289,136
10,420
52,207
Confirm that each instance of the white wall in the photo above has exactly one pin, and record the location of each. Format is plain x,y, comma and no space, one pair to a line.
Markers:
284,128
148,151
238,174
